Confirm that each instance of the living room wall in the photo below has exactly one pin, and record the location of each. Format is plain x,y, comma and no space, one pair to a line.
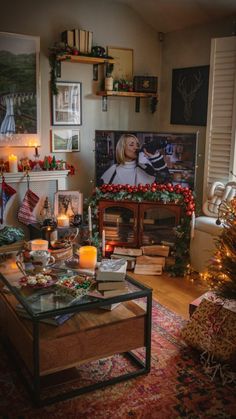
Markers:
111,24
189,48
116,25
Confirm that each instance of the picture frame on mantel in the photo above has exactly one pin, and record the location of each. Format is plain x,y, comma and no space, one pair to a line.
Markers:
68,203
19,90
66,140
123,67
66,105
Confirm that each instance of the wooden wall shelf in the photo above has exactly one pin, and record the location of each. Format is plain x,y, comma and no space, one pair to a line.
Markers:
136,95
83,59
125,94
95,61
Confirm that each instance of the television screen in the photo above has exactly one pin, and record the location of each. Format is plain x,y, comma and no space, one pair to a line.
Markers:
173,153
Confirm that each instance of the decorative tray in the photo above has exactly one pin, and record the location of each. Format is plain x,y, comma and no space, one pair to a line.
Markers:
38,280
76,285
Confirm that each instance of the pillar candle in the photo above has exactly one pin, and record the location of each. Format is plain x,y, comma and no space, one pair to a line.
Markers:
63,221
13,165
88,257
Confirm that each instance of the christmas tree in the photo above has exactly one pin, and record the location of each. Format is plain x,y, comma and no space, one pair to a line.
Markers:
222,270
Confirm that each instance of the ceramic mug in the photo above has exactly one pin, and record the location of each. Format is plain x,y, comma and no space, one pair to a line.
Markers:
41,258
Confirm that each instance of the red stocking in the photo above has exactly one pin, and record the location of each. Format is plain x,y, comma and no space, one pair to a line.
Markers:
25,213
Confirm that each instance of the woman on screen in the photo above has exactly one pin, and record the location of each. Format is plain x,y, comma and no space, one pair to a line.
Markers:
132,170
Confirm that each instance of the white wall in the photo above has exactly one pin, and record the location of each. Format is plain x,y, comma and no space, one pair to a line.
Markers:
188,48
114,25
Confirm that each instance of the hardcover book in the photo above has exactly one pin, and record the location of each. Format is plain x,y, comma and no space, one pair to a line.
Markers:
112,270
127,251
151,260
129,259
156,250
55,321
111,285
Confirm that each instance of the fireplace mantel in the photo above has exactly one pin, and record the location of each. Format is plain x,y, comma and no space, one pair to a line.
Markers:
40,176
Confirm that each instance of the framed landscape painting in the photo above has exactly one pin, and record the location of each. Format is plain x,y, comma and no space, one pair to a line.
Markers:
19,90
65,140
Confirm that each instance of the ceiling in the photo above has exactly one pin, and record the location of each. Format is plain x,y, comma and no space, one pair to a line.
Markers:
172,15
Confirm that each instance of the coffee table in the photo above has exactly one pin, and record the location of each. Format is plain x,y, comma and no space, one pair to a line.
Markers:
49,354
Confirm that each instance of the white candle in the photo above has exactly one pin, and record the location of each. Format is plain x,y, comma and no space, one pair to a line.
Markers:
89,219
63,221
13,164
103,243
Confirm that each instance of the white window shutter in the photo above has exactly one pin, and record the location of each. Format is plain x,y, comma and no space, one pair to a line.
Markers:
220,153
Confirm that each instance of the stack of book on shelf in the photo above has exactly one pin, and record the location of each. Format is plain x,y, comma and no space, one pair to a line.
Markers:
112,233
149,265
80,39
112,218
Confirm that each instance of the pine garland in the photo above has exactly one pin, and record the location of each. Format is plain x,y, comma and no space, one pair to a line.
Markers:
166,193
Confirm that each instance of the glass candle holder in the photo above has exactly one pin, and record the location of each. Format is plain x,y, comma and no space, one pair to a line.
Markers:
39,244
88,257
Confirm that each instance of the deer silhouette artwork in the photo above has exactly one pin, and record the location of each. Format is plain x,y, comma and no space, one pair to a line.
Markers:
188,88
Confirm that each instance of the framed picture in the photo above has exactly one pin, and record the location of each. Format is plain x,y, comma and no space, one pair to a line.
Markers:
65,140
123,67
179,152
189,95
19,90
66,105
69,203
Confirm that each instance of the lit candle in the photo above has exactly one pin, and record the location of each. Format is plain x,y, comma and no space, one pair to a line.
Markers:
63,221
108,250
87,257
103,243
13,165
39,244
89,219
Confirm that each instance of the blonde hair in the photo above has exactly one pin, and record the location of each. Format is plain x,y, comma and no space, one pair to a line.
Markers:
120,147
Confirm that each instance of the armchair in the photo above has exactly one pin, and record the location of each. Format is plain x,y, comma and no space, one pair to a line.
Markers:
205,230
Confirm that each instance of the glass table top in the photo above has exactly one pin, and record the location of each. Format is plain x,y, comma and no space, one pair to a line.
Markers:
40,302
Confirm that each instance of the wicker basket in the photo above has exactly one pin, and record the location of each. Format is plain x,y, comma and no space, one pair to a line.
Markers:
62,254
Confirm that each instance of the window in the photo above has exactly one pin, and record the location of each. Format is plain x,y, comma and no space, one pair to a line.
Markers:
220,153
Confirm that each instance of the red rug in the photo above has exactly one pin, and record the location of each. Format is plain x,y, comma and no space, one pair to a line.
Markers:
176,387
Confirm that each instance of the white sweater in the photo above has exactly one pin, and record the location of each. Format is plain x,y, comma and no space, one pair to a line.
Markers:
127,173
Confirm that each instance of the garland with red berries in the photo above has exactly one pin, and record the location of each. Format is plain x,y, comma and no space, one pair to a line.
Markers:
155,192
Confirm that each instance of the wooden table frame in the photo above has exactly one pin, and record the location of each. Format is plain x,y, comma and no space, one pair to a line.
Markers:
135,330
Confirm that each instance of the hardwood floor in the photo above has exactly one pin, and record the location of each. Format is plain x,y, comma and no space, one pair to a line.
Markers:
174,293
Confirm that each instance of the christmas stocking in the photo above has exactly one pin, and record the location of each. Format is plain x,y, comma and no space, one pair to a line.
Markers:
6,193
25,213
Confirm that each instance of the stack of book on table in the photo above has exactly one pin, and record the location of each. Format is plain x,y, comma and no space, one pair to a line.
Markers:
111,279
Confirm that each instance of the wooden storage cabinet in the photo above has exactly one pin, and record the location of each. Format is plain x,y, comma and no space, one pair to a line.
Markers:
134,224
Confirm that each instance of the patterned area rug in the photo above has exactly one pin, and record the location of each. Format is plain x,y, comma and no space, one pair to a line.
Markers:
176,387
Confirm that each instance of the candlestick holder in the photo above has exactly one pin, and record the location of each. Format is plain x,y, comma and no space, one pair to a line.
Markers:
37,167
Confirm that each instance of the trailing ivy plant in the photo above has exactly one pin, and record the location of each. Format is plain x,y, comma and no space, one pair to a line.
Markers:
154,193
